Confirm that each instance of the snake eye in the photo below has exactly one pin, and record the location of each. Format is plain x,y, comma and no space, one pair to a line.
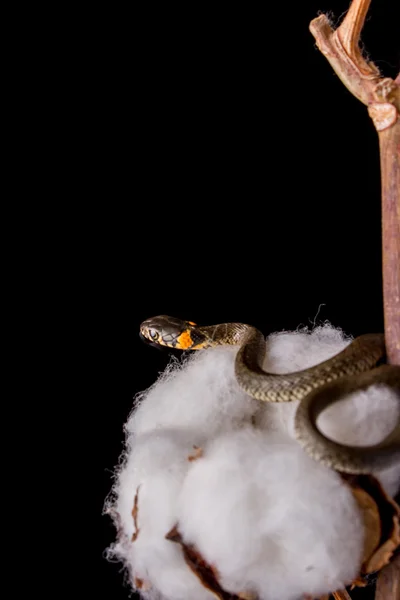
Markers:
153,334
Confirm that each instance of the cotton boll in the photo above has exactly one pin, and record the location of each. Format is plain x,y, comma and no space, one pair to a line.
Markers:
293,351
163,564
201,394
269,518
158,571
157,462
365,417
162,570
297,350
362,419
153,473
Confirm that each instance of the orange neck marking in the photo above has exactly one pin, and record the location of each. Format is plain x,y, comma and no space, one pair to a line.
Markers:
184,341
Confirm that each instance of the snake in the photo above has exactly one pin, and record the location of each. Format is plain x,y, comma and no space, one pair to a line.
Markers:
354,369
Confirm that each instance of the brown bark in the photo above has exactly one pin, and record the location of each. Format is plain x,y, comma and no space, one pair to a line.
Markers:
389,144
382,96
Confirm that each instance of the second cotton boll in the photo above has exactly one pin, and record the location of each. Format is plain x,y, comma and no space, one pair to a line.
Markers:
269,518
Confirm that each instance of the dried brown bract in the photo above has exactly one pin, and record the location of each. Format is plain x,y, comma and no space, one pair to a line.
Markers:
206,573
135,515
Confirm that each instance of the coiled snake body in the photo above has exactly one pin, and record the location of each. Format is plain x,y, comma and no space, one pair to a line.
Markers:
317,387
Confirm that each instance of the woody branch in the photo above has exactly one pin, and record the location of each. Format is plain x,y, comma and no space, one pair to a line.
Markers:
382,97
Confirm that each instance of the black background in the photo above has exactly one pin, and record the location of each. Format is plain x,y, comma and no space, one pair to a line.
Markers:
229,176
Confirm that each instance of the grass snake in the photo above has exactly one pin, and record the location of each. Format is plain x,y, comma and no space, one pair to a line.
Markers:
351,370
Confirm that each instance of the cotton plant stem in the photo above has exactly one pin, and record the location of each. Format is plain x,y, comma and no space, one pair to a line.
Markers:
389,144
382,97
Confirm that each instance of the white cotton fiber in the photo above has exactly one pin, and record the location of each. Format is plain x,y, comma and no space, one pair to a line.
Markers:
294,351
267,517
157,460
363,418
155,470
271,520
202,395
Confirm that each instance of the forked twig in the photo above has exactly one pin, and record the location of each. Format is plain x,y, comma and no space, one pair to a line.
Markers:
382,96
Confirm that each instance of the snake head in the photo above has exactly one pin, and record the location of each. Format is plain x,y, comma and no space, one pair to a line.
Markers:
169,331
